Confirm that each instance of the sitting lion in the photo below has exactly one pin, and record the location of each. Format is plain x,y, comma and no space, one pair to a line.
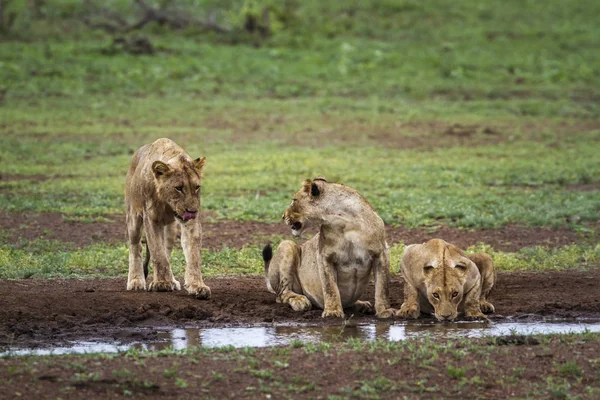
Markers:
441,278
331,270
163,186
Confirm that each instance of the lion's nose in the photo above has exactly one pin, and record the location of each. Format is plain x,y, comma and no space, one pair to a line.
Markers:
296,226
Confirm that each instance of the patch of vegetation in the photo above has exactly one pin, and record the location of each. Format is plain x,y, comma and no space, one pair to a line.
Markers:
327,92
50,259
360,367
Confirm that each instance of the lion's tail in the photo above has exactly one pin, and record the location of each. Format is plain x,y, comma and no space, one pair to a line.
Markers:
146,261
267,255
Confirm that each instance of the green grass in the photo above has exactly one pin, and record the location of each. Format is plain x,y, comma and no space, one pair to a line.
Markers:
360,93
50,259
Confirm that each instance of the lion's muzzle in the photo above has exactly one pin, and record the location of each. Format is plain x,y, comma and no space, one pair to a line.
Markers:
187,216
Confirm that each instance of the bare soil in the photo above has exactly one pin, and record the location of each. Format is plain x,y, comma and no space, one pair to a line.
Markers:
236,234
39,312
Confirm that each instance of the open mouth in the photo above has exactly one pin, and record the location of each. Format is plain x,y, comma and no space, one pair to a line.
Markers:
296,226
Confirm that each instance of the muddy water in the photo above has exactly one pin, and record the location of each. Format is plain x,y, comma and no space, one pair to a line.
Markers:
283,335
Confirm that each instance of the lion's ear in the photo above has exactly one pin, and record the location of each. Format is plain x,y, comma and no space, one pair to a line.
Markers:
199,164
314,190
320,178
159,168
306,185
311,187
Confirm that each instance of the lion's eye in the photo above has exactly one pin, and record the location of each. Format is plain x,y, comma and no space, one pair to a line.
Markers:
454,294
179,188
436,296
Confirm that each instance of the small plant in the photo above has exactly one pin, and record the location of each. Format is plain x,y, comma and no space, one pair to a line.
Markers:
263,373
455,372
182,383
570,369
217,376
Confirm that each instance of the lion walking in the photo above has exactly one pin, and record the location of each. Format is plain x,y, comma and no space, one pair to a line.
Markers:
162,188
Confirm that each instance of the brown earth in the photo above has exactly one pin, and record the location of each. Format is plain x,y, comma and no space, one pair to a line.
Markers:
510,367
39,312
236,234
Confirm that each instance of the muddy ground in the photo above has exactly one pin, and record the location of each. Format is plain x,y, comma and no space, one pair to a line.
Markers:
38,312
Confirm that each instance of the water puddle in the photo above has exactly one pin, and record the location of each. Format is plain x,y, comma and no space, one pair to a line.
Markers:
284,335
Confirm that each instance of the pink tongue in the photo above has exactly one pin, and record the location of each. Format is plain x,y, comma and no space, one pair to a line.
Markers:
188,215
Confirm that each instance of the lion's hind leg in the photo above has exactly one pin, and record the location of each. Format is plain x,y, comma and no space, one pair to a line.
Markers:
136,279
364,307
488,279
282,276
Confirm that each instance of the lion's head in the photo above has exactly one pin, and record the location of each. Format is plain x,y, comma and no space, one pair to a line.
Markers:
445,269
179,186
307,205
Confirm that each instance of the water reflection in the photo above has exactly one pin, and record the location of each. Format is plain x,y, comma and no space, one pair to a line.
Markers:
180,339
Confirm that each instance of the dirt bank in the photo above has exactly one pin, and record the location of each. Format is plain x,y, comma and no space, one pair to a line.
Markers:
38,312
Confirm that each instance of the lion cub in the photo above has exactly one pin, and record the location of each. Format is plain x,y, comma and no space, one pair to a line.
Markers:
163,187
331,270
441,278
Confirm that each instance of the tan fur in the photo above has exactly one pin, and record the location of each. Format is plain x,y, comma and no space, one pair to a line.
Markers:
163,186
461,282
331,270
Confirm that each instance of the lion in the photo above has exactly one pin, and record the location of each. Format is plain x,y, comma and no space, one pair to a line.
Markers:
332,269
162,190
441,278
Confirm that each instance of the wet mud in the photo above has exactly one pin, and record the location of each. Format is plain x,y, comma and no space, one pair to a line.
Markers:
38,312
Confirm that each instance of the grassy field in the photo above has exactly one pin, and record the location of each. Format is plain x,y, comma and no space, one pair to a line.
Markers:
470,114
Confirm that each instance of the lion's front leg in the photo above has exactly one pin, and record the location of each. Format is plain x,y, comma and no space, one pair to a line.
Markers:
136,279
381,271
191,242
331,292
163,276
170,236
410,307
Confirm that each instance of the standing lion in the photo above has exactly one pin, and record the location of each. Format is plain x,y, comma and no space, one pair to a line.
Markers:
331,270
163,187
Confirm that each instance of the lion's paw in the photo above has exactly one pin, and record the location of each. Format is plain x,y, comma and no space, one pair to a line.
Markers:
335,313
408,311
176,284
386,313
364,307
300,303
200,291
136,284
475,316
161,286
487,307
